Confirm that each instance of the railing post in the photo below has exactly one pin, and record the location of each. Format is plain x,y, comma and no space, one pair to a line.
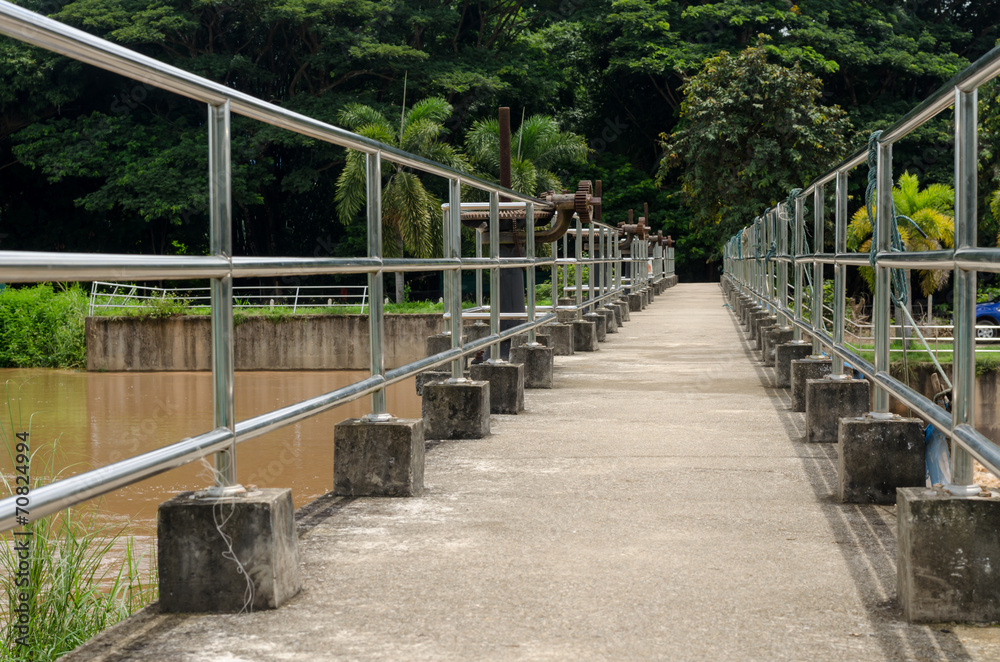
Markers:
963,392
529,251
591,271
819,194
479,272
376,307
221,244
782,252
880,312
578,267
494,273
799,268
840,271
454,248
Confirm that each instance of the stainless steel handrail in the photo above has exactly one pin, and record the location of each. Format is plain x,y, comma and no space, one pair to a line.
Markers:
222,267
752,273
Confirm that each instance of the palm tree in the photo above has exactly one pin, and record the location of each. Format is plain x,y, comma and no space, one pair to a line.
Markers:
411,215
537,147
931,209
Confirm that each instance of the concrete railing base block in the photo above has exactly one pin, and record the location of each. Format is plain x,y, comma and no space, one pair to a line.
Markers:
783,357
828,401
537,363
947,554
600,325
378,458
584,336
776,335
456,411
441,342
610,324
561,338
876,456
506,385
635,302
803,370
195,577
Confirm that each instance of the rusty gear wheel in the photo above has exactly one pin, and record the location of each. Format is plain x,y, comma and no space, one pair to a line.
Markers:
582,200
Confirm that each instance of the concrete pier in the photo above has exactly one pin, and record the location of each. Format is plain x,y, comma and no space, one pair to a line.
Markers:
783,357
829,400
805,369
584,336
506,385
538,363
456,410
875,456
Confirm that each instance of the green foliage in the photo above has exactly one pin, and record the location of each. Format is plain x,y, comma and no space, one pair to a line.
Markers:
73,591
750,131
168,305
40,327
931,208
538,147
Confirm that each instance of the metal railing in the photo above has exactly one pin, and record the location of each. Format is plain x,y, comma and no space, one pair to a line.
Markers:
221,267
109,297
753,268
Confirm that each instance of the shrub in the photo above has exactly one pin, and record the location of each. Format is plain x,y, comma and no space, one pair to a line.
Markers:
40,327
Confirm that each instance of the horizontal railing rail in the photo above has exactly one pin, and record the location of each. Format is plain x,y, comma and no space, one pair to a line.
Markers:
757,259
221,267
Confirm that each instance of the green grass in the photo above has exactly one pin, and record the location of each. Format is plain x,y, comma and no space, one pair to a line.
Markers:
41,327
72,592
987,355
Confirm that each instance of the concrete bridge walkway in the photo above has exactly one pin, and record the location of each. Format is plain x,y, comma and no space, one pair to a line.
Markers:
659,503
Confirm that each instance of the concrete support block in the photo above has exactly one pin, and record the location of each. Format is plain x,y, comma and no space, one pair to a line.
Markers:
611,326
378,459
875,456
617,312
783,357
456,411
624,308
543,339
562,340
567,316
948,553
776,335
476,331
828,401
634,302
803,370
600,325
429,377
537,362
441,342
506,385
763,327
584,336
755,320
566,301
194,575
644,297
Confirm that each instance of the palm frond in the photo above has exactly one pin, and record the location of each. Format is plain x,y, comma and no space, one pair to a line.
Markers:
431,109
355,115
351,187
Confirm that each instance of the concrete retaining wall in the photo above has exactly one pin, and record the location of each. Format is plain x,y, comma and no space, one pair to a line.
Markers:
987,394
301,342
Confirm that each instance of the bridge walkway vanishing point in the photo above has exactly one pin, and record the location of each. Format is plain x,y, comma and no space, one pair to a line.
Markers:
658,503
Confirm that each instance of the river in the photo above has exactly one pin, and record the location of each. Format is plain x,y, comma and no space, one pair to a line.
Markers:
92,419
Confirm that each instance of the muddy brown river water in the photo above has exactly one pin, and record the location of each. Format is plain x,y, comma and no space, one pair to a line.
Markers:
94,419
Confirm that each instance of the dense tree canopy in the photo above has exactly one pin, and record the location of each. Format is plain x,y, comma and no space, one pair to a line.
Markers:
93,161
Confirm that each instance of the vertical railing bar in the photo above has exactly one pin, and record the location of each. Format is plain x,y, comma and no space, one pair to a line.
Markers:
376,307
495,273
819,204
840,271
221,245
881,312
964,359
577,267
529,249
453,231
799,249
479,272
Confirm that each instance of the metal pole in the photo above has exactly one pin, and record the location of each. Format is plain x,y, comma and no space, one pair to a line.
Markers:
373,190
819,194
799,267
529,250
839,272
880,312
479,272
454,251
578,267
964,388
782,266
591,275
221,245
495,273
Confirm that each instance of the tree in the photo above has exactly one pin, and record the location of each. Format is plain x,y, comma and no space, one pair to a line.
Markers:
750,131
411,215
538,147
930,209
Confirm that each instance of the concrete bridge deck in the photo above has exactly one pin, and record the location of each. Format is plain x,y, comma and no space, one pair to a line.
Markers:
658,503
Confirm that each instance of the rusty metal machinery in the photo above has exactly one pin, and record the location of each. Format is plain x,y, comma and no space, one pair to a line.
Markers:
584,202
